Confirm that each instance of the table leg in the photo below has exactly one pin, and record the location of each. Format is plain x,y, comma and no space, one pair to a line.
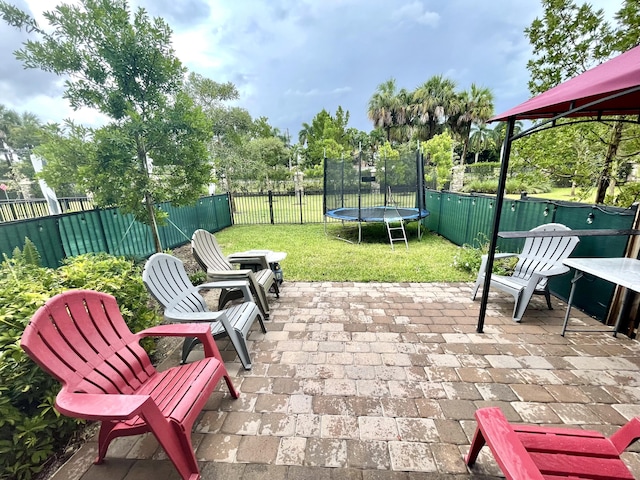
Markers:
574,280
625,301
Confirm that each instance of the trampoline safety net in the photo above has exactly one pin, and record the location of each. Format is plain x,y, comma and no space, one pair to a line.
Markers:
360,186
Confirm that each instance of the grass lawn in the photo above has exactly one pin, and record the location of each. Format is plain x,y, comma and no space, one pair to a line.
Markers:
563,194
314,256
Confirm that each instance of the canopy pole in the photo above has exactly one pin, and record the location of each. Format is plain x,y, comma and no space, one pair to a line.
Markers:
504,167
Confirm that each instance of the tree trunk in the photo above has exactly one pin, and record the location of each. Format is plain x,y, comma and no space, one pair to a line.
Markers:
152,222
148,197
465,148
612,150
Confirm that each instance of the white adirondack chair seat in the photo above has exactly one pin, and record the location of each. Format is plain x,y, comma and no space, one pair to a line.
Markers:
540,259
168,282
208,254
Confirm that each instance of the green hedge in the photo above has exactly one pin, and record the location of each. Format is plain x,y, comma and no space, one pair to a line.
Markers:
31,430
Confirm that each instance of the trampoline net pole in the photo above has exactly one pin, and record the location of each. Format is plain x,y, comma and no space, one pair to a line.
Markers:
359,186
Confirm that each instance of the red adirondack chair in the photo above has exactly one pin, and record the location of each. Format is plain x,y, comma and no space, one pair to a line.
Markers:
544,453
81,339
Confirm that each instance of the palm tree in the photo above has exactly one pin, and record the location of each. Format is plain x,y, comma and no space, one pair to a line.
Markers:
433,102
385,107
499,133
475,108
480,139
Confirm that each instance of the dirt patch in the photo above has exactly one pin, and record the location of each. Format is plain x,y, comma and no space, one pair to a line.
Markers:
184,254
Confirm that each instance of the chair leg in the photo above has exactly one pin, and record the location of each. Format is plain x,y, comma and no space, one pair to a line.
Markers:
176,443
476,445
480,278
261,320
188,345
476,287
547,295
104,439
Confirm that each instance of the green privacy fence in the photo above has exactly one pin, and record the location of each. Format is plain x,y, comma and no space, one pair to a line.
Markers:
467,219
67,235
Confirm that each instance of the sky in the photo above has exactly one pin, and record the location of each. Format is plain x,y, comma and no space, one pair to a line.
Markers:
289,59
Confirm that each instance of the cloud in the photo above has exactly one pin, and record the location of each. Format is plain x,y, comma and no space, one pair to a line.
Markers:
416,12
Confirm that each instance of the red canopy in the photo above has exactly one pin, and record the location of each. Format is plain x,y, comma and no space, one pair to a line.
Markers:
613,85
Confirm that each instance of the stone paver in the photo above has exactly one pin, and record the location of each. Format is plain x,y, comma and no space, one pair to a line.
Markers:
380,381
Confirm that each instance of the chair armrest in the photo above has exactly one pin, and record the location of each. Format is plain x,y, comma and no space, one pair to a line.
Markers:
202,331
502,255
176,330
92,406
507,449
170,310
175,316
559,270
242,273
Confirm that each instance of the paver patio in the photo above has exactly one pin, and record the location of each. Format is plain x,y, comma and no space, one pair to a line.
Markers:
381,381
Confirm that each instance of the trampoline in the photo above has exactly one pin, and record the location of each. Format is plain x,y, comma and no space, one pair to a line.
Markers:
374,190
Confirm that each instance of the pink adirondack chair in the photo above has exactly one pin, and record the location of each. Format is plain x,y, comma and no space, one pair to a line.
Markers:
532,452
81,339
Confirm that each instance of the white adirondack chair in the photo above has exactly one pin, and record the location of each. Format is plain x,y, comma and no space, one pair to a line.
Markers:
540,259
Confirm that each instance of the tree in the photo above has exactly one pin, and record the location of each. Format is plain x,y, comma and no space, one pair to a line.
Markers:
568,40
438,151
475,108
568,155
121,63
433,102
480,140
386,107
270,159
232,129
326,135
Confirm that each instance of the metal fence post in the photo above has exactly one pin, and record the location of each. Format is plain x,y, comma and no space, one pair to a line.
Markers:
271,207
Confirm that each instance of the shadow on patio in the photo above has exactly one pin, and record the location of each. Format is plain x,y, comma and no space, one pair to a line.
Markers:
381,381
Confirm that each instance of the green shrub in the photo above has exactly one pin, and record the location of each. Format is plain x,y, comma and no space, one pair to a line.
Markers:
513,185
198,278
30,429
468,258
116,276
483,170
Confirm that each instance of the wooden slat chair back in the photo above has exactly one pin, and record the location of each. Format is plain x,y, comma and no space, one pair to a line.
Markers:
540,259
208,254
80,338
166,279
531,452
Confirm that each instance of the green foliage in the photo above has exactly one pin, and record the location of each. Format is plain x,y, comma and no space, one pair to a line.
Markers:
326,136
483,171
627,196
116,276
567,40
468,258
438,151
530,184
567,154
30,428
198,278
